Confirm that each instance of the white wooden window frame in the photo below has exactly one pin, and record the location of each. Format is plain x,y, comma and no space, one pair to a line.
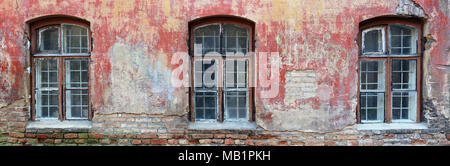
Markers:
382,42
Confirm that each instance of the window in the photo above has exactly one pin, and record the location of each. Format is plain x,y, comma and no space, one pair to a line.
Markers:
60,55
389,71
220,68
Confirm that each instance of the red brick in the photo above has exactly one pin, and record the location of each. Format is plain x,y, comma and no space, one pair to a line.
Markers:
159,142
314,143
147,136
353,143
71,135
236,136
219,136
297,143
42,136
22,140
17,135
448,136
418,142
172,142
282,143
193,142
96,136
390,136
136,142
28,135
229,142
329,143
347,137
366,137
205,141
178,136
146,142
249,142
57,135
79,141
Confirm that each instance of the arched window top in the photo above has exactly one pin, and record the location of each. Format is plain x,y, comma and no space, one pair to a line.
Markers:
60,36
390,37
221,36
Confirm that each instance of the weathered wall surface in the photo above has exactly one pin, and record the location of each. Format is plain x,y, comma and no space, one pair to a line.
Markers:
134,42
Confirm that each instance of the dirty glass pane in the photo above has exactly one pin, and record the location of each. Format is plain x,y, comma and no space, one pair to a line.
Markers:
77,103
372,75
404,74
402,39
77,73
49,39
47,91
236,105
373,41
205,105
236,74
235,39
205,74
207,39
372,107
47,104
404,106
75,39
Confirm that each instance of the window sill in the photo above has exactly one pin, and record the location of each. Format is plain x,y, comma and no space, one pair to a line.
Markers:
60,126
222,126
391,126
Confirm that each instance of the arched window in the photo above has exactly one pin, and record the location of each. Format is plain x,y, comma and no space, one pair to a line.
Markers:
60,50
389,70
220,69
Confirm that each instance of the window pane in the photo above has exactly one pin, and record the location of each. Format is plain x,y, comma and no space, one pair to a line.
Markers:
402,39
372,107
404,74
236,74
236,106
75,39
77,104
47,91
205,105
404,106
77,73
207,39
49,39
47,104
205,74
235,39
372,75
373,41
47,73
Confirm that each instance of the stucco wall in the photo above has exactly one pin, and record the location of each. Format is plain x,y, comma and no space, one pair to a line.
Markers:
134,42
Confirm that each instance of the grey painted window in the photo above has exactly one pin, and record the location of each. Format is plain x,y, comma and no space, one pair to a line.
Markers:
372,91
49,39
403,40
75,39
47,88
404,93
205,90
77,98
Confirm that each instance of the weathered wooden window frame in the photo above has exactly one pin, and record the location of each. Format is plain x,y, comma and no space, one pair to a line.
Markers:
61,57
220,60
386,22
